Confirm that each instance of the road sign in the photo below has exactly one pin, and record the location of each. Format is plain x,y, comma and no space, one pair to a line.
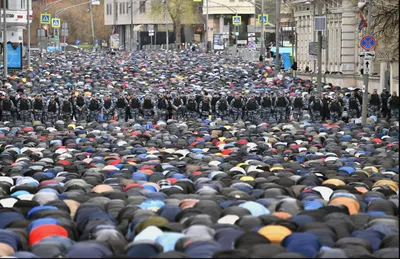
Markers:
77,42
56,22
260,19
236,20
40,33
368,42
251,44
64,25
313,48
367,66
45,18
367,54
64,32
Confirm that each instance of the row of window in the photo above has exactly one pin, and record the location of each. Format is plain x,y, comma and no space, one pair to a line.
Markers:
124,8
15,4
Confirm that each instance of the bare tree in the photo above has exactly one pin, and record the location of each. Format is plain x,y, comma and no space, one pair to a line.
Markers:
385,27
181,12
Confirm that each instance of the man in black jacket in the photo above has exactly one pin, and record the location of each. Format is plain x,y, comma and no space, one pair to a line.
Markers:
6,108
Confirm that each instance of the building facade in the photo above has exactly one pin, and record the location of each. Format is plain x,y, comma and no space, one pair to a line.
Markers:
341,49
220,13
16,18
132,22
341,52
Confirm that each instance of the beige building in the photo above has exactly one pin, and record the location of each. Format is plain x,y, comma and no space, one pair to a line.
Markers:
118,13
342,51
220,13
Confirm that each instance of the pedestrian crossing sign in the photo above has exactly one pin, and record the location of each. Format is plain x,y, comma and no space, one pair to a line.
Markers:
236,20
45,18
260,19
56,22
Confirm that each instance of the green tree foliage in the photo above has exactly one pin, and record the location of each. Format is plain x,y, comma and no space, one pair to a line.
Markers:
180,12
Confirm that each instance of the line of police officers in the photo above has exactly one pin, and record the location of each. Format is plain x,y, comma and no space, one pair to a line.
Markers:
231,107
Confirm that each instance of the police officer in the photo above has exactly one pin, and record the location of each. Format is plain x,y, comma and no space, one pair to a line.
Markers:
108,108
384,99
80,108
266,104
215,98
148,108
205,108
393,105
316,107
237,105
281,102
66,109
192,108
353,106
134,107
222,108
325,114
94,107
335,109
169,100
24,108
162,108
52,110
121,105
72,100
177,107
374,104
298,105
38,106
6,107
252,108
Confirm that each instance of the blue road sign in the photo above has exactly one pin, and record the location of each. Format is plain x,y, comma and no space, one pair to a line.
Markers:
237,20
56,23
45,18
260,19
251,44
77,42
97,42
368,42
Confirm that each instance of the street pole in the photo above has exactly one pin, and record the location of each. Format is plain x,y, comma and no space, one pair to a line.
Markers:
5,68
255,21
326,44
91,20
277,36
366,76
236,36
166,26
28,30
206,39
262,51
131,34
314,39
319,57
